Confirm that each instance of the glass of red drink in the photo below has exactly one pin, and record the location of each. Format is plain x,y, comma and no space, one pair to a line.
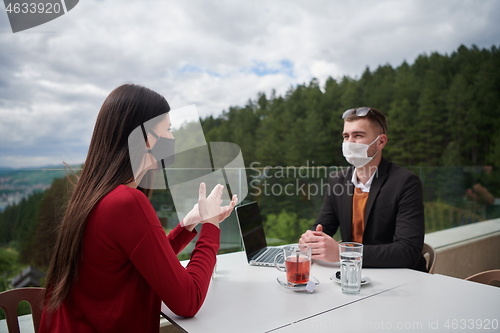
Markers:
297,263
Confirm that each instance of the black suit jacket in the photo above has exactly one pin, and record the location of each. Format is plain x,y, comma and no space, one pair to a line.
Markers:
394,216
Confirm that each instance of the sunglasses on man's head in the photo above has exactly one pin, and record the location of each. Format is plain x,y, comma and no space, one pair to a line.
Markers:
361,112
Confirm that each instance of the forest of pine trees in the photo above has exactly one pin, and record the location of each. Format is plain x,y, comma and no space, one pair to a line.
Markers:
442,110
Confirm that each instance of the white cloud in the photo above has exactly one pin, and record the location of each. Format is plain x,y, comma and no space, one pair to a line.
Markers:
214,54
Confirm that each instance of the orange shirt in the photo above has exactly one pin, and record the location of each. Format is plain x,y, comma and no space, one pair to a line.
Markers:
358,214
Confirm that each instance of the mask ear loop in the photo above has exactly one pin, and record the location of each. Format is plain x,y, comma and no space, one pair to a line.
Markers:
154,134
163,167
371,144
144,135
157,137
377,149
374,140
145,139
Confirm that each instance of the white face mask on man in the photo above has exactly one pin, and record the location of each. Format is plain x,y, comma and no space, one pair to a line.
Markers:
357,153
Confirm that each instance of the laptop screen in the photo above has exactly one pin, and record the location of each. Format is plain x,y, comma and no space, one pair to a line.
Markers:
252,230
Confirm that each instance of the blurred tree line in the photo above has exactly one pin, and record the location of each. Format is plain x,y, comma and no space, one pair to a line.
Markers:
443,110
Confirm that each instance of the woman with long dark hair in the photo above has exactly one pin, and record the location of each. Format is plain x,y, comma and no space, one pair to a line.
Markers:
113,264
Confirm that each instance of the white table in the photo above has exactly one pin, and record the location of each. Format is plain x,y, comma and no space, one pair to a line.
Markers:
245,298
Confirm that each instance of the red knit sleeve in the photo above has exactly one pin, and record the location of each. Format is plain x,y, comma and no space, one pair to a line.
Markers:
183,290
179,237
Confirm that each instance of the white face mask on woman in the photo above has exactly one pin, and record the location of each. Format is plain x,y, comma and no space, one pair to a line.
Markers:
357,153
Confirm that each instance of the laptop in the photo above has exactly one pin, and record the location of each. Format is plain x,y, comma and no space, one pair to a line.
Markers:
254,239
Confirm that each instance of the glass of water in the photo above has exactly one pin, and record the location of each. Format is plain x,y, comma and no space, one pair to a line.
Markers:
351,260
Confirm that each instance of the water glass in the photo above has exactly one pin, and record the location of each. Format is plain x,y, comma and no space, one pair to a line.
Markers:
351,260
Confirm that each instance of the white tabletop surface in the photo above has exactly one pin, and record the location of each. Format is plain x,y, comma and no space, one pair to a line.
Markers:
244,298
429,303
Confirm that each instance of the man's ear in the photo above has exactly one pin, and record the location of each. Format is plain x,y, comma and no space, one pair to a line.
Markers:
382,141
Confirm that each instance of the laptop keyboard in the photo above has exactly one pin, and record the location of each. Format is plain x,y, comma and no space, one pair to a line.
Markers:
268,256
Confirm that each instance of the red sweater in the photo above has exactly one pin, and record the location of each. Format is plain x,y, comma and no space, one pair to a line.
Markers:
129,266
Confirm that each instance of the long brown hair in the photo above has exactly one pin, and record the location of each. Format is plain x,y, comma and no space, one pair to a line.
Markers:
107,165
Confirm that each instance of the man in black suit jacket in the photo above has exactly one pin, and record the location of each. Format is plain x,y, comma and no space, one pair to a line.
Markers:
391,225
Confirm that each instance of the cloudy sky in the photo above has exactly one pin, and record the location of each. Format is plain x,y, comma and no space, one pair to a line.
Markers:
215,54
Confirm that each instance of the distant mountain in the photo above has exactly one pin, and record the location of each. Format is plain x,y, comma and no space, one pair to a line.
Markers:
46,167
30,172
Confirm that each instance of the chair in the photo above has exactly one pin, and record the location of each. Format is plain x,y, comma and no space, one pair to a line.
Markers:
430,257
486,277
10,299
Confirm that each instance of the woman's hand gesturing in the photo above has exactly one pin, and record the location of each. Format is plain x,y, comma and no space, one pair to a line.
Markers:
208,209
